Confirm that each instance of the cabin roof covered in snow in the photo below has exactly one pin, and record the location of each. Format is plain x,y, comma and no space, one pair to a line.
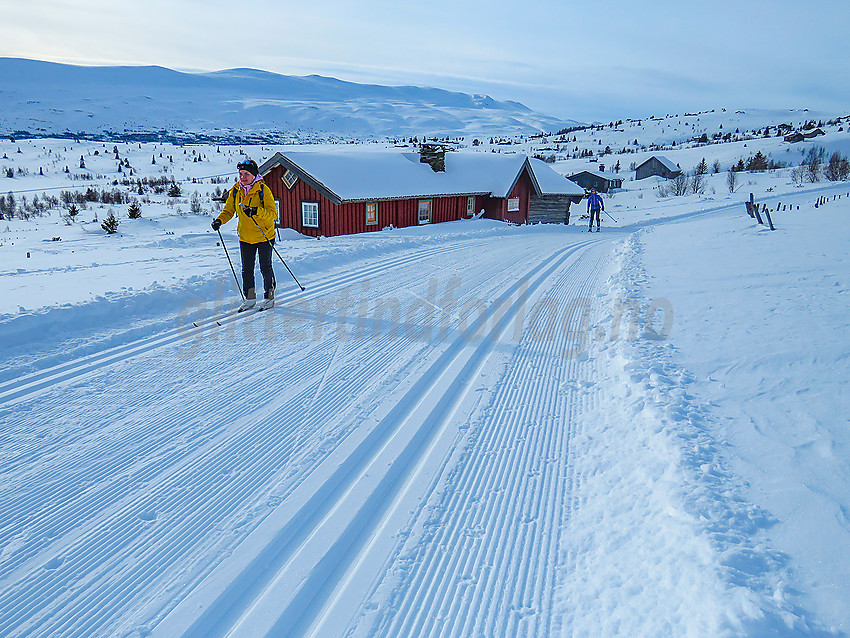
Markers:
551,182
386,175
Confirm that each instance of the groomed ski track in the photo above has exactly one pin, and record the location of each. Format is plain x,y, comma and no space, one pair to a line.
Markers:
322,469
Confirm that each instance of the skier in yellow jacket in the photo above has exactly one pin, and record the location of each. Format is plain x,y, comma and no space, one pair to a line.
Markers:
251,200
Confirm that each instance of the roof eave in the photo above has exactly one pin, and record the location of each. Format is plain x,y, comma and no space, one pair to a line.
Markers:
389,198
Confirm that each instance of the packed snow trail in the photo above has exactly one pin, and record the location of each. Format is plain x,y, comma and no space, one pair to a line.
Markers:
387,464
390,453
130,475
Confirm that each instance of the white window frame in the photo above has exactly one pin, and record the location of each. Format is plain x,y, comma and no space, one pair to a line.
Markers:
310,214
470,206
428,207
513,204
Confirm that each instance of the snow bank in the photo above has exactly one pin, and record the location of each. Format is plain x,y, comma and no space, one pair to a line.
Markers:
666,543
762,326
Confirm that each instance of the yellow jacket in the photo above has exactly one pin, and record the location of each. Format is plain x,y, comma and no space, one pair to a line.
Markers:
265,217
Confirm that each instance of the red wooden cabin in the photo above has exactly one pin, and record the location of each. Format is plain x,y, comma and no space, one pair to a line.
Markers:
353,192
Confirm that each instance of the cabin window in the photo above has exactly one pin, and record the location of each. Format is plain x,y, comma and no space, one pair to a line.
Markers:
289,178
470,206
310,214
371,213
425,211
513,204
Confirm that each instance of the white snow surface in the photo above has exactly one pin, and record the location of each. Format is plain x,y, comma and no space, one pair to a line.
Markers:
464,429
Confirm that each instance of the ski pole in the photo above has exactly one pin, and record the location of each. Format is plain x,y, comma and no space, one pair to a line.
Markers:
609,215
238,287
275,251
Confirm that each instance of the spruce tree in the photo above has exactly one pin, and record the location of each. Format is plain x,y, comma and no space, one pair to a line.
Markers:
110,224
134,211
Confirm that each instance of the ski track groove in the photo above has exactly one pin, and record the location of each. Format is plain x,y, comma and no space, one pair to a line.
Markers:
435,593
114,544
154,445
95,471
294,621
87,361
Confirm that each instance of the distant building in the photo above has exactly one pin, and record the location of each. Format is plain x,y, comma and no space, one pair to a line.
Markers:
799,137
601,180
657,165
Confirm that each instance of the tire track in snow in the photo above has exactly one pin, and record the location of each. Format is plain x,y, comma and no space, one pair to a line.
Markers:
323,530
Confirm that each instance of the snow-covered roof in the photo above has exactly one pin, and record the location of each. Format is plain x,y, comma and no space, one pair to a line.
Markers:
551,182
606,175
484,172
669,165
387,175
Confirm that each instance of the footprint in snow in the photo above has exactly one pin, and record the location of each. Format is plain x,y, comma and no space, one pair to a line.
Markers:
54,563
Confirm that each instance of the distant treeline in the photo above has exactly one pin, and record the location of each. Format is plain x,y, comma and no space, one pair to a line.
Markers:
174,137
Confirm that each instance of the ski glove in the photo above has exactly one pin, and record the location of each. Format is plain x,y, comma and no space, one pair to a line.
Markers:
216,224
250,211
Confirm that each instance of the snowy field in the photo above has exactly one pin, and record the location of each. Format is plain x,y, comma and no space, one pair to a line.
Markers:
465,429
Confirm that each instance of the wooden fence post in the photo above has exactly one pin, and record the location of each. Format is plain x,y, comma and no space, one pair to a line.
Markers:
769,220
756,211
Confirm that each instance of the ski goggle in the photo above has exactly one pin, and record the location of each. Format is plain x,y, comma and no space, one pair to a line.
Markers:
251,167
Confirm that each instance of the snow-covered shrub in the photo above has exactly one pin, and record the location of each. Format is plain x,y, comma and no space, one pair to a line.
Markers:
838,167
732,180
195,204
70,215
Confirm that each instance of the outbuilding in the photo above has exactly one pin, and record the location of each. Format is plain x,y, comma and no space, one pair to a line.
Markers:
344,192
657,165
557,194
602,181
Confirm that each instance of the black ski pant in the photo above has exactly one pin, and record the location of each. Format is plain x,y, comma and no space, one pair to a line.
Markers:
249,257
596,212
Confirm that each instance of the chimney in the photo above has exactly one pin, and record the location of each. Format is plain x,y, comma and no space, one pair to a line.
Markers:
602,168
433,155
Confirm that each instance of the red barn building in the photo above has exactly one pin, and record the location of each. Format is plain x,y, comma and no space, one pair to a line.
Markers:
353,192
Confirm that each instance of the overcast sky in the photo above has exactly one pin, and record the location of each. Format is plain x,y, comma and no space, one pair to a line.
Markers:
602,60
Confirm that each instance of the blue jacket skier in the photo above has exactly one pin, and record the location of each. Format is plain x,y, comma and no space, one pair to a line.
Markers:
595,206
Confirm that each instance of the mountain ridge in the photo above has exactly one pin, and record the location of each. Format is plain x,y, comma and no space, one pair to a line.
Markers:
48,98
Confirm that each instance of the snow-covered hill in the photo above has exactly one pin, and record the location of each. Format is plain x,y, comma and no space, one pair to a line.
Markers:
44,98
